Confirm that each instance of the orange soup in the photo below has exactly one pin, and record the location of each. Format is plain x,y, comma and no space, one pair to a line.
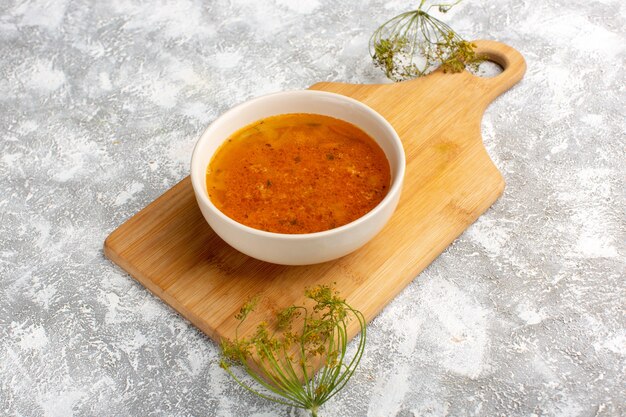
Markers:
298,173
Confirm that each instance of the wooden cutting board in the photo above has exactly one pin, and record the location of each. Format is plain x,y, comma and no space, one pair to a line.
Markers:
450,181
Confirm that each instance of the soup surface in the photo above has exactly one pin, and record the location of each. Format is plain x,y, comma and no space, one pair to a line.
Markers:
298,173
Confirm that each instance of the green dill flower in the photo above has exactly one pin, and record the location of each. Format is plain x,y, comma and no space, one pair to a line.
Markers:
414,43
280,357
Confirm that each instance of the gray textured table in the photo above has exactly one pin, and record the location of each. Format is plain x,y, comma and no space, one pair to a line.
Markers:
100,105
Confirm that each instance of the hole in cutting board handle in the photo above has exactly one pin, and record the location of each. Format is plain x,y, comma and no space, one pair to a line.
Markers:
493,57
487,69
509,59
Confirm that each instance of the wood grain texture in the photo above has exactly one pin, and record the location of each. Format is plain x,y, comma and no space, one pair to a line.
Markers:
450,181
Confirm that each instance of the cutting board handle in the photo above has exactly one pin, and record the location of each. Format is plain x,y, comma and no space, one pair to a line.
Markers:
483,89
511,61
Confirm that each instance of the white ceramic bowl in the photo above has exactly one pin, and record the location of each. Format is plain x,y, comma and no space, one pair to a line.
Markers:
309,248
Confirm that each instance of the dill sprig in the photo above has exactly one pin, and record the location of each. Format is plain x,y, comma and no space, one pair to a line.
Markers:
414,43
281,356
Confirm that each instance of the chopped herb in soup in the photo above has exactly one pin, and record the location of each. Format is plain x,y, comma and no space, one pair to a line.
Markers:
298,173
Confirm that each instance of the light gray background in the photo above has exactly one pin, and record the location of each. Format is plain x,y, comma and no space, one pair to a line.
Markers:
100,105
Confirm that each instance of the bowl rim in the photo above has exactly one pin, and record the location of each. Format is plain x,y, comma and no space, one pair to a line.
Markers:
397,180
